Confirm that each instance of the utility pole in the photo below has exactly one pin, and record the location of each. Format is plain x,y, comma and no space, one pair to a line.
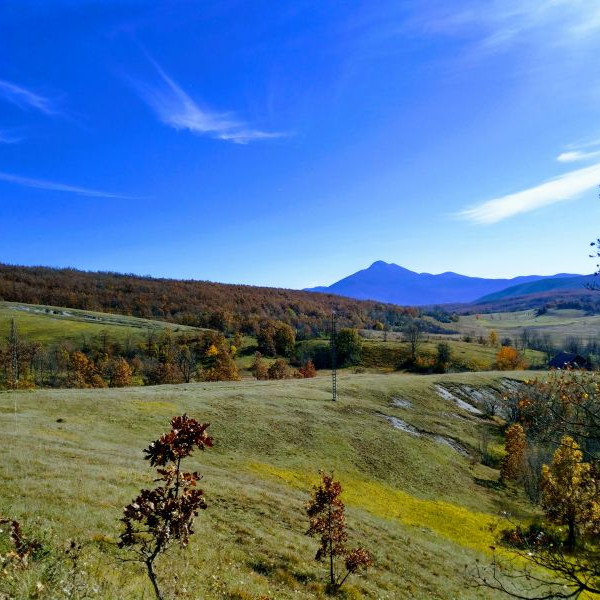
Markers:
333,358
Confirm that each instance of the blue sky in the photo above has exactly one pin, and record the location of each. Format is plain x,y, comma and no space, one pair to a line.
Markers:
293,143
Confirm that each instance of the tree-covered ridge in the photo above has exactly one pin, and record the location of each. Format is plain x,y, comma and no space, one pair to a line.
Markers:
227,307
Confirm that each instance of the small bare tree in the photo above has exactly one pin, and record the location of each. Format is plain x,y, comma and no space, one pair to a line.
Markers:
159,517
413,334
550,571
326,513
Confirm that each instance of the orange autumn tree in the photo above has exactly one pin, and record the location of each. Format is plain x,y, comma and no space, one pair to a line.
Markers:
218,363
509,359
83,373
221,366
308,369
515,444
259,368
120,373
327,521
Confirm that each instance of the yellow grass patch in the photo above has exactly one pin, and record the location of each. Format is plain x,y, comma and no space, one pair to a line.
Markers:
57,434
154,406
455,523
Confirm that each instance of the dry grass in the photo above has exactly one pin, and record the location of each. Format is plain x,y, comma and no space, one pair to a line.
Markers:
421,507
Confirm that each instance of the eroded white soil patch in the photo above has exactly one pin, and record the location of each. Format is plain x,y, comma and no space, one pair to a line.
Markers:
448,395
401,402
405,427
402,425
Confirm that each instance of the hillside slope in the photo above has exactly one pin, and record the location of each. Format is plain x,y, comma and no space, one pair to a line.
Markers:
399,444
197,303
575,284
388,282
49,324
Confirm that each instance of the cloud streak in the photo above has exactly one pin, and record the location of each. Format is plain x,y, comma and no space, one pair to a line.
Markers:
500,24
574,21
576,156
26,99
7,138
560,189
174,107
53,186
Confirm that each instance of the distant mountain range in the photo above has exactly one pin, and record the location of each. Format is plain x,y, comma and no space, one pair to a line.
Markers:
555,283
388,282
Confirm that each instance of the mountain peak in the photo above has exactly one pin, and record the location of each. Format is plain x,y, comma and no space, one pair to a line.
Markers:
379,263
389,282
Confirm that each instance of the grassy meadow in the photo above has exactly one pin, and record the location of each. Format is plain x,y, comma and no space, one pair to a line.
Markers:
385,352
469,356
50,324
73,459
560,324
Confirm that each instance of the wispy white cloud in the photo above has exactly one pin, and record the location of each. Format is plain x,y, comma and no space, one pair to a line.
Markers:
577,156
24,98
572,20
54,186
580,151
497,24
8,138
566,187
176,108
584,145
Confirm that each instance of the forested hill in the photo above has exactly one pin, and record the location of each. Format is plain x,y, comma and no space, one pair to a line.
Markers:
197,303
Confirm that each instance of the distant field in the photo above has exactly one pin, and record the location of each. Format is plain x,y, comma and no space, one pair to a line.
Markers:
48,324
383,353
482,356
73,459
559,324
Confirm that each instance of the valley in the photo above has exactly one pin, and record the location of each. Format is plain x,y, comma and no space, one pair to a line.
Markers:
74,460
417,441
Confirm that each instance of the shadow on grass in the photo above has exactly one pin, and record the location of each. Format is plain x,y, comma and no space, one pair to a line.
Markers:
490,484
281,571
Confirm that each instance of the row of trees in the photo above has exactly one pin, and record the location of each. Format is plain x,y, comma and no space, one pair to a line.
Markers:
163,358
280,369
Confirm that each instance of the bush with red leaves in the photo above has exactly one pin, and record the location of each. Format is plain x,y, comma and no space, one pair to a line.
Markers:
327,521
165,515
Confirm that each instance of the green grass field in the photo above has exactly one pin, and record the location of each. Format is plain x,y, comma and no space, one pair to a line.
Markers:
48,324
560,324
72,460
381,354
472,356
